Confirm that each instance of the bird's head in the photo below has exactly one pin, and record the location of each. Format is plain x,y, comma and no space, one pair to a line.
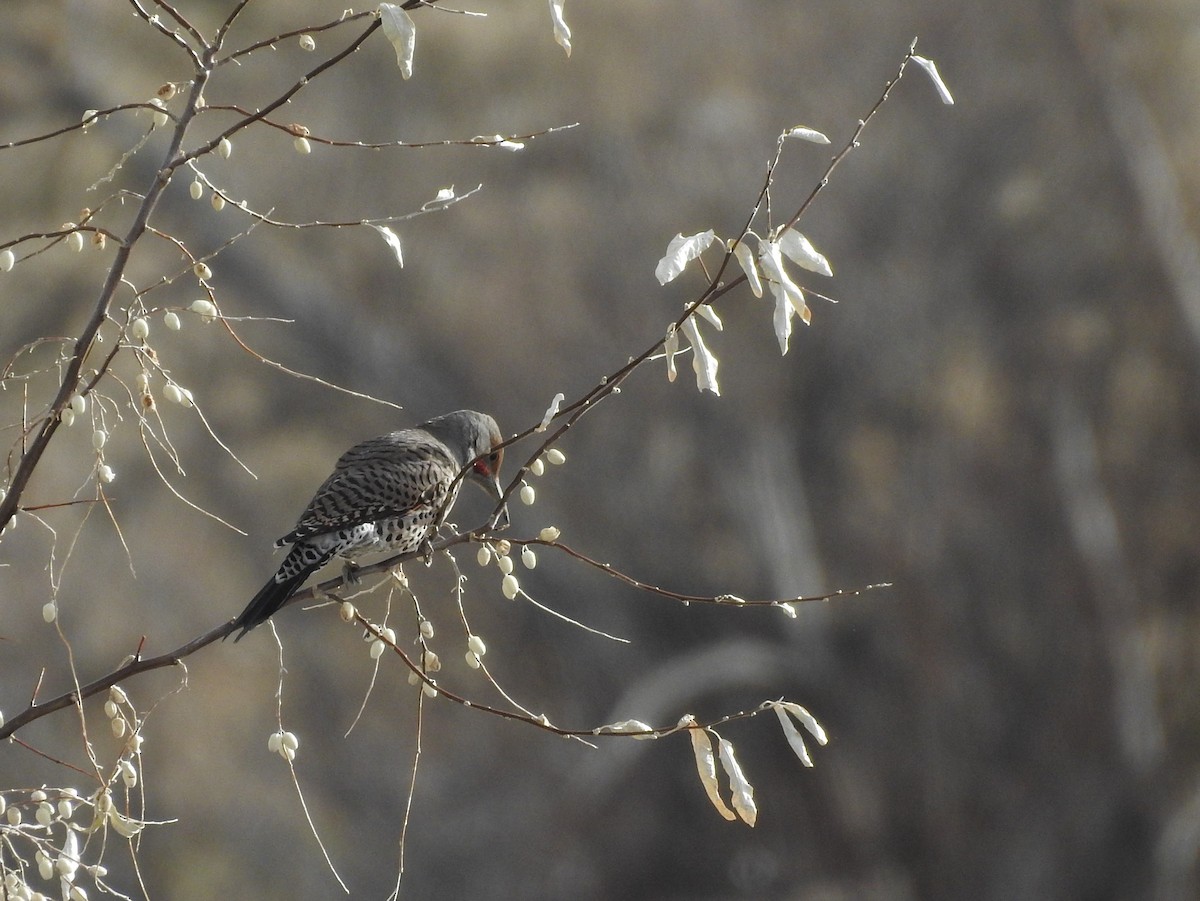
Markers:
476,438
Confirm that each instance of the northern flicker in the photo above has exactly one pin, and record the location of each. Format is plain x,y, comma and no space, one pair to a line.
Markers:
389,493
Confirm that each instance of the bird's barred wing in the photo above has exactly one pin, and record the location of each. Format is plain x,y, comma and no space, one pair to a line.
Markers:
378,479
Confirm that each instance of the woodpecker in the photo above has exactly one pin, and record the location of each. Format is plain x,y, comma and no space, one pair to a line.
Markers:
390,493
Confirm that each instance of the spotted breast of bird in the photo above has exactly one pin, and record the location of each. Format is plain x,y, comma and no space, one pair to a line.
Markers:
387,494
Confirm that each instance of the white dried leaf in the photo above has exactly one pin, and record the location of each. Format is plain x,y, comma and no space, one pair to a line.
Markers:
706,766
562,33
807,720
793,736
706,310
806,134
680,252
745,258
125,826
627,726
743,791
789,299
670,348
931,70
704,364
800,251
398,27
392,240
551,412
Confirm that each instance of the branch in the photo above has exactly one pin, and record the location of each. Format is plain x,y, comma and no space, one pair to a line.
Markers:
31,457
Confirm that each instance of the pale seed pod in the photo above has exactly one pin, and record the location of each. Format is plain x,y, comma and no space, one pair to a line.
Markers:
99,439
196,189
475,643
506,565
347,612
204,307
171,321
106,473
45,814
426,628
472,659
218,202
172,393
528,557
484,555
225,148
537,467
555,456
7,260
509,586
50,611
78,403
68,417
37,796
202,271
303,147
139,329
307,43
76,241
528,495
550,533
429,690
118,728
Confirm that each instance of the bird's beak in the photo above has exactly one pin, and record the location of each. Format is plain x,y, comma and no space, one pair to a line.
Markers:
501,519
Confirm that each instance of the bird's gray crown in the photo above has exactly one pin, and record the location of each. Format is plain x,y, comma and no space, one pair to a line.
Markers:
466,433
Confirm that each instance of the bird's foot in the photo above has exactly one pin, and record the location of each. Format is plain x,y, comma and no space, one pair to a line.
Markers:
350,572
427,552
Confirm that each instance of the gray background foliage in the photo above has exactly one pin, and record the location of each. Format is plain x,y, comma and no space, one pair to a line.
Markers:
999,416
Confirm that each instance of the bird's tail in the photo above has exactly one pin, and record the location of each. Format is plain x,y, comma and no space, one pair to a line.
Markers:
270,598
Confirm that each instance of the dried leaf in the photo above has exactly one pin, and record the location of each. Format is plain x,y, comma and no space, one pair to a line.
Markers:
743,791
807,134
670,348
704,364
562,33
807,720
399,28
392,240
680,252
793,736
551,412
745,258
800,251
931,70
706,766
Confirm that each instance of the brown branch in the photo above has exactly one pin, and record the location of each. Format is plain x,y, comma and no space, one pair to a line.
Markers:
32,456
478,141
724,600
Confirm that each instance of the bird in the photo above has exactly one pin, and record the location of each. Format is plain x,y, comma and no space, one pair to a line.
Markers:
390,493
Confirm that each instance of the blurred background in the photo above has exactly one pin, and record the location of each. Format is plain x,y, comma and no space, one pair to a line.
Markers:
1001,416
